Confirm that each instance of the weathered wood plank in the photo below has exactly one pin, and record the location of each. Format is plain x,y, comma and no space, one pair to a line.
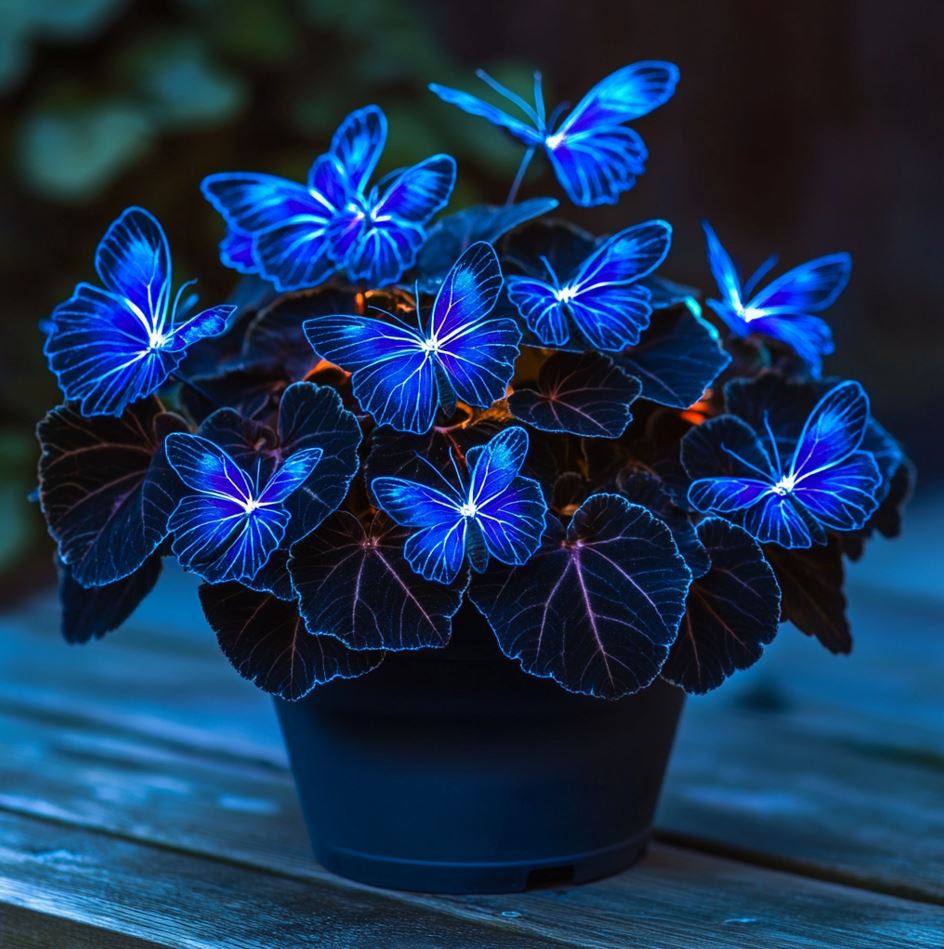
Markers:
829,766
23,928
176,899
246,815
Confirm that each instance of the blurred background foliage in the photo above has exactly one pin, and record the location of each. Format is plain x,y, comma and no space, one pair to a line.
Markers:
803,128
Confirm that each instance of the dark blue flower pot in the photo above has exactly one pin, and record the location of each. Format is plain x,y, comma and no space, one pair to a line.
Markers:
452,771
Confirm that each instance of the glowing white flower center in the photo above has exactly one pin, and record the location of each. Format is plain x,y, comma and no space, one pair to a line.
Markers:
785,485
468,509
554,141
251,505
430,345
156,340
566,294
748,313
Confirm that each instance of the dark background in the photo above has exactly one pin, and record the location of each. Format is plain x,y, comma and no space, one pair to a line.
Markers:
800,128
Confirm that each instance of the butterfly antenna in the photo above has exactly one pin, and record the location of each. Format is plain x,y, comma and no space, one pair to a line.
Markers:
559,110
765,475
416,301
173,309
539,96
773,445
512,97
550,270
436,471
393,316
755,278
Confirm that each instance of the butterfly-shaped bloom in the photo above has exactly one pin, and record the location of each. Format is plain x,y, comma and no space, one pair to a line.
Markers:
297,235
402,374
827,483
783,309
594,155
226,526
115,345
492,511
602,297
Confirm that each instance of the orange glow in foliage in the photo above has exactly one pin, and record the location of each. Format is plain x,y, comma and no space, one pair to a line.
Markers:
699,411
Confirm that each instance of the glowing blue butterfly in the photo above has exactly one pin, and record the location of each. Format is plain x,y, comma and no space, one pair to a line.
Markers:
827,483
783,309
594,155
228,527
603,298
298,235
110,347
402,374
493,511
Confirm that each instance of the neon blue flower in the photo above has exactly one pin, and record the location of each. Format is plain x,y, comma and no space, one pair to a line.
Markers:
594,155
827,483
298,235
113,346
225,526
783,309
493,511
402,374
602,297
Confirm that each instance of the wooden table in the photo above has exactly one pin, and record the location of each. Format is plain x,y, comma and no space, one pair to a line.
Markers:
144,799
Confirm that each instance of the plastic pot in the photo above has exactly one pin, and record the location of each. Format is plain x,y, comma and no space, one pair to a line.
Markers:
452,771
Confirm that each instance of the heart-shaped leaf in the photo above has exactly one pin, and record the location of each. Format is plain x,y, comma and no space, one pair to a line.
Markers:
90,613
266,641
678,357
597,608
811,585
275,336
584,394
646,488
452,234
104,486
354,584
732,611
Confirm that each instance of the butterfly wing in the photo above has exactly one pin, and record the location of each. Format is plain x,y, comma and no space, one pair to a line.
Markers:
380,246
437,548
236,251
811,287
595,157
473,105
543,312
133,261
476,353
287,221
98,349
358,144
725,274
291,475
510,510
835,481
625,95
833,431
746,494
808,336
215,535
206,468
609,308
393,376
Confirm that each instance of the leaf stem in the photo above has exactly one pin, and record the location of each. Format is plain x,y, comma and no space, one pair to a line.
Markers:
519,177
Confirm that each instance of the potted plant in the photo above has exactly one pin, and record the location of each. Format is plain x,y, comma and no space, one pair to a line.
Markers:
475,496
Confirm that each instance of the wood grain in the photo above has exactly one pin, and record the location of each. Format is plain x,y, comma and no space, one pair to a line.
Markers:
144,799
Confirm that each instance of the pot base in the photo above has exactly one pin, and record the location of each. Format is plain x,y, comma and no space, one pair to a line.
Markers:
452,771
441,877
